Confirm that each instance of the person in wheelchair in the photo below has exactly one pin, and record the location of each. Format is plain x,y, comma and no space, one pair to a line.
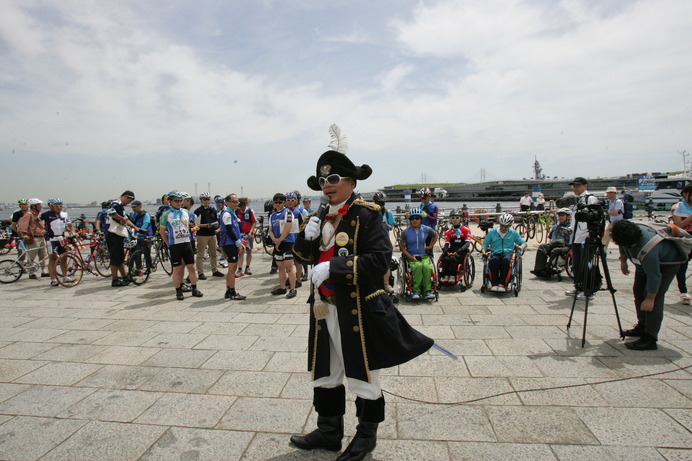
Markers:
558,245
501,242
416,244
457,243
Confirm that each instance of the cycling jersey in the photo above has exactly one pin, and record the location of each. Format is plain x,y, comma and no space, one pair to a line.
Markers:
193,223
247,219
103,217
279,219
415,240
177,223
230,227
142,221
457,237
429,211
56,223
502,243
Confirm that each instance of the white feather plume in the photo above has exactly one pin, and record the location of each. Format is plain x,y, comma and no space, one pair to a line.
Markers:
339,142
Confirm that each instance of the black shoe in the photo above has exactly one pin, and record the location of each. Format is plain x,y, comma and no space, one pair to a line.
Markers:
328,435
638,331
125,281
645,343
117,283
185,288
228,294
237,296
291,294
218,274
279,291
299,284
201,276
179,296
187,279
197,293
304,278
363,442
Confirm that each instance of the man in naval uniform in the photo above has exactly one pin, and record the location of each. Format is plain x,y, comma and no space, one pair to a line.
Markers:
363,332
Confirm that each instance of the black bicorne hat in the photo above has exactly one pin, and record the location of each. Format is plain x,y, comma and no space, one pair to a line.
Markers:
333,162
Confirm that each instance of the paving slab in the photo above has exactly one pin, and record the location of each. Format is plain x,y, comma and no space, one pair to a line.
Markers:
143,376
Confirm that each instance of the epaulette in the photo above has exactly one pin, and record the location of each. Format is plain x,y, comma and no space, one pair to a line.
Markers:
368,205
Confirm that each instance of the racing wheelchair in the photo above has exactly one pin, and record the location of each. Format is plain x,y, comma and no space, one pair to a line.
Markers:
464,276
514,282
403,287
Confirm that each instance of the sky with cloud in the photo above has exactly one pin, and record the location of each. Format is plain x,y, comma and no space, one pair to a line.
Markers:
96,97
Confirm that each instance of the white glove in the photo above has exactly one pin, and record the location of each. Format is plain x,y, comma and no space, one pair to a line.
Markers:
312,228
319,273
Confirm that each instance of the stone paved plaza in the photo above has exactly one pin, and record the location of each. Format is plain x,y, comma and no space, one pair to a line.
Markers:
100,373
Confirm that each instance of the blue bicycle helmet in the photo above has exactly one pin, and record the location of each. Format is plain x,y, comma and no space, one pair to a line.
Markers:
291,196
174,194
54,201
415,212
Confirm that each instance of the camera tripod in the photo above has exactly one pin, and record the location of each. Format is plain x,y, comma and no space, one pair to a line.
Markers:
593,256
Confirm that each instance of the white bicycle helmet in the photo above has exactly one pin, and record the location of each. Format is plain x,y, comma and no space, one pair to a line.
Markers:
506,219
204,195
34,201
565,210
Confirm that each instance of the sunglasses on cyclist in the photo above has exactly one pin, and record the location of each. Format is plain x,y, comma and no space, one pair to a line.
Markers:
278,201
411,218
332,179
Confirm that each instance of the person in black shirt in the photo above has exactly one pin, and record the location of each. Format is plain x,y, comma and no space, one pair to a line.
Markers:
17,215
208,223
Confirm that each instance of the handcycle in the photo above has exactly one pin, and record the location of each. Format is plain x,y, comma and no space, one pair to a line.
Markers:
515,277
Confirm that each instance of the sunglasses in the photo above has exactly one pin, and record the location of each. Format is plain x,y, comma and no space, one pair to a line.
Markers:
206,199
332,179
177,200
130,197
414,217
278,201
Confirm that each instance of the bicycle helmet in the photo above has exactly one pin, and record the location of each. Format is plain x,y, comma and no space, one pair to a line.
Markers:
22,200
379,197
184,195
204,196
218,199
506,219
455,214
174,194
54,201
130,243
415,212
34,201
564,210
291,195
424,192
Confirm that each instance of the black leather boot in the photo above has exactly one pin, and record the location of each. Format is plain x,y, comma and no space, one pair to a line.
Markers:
328,435
330,405
370,413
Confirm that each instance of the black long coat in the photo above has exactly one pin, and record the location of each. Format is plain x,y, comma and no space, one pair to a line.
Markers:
374,334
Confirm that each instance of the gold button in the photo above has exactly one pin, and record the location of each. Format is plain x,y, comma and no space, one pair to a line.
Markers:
353,294
349,263
349,276
354,311
353,223
356,329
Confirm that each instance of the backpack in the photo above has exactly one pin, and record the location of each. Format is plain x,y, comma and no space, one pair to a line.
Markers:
681,238
629,211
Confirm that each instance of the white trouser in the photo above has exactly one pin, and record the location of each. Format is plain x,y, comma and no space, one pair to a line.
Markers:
363,389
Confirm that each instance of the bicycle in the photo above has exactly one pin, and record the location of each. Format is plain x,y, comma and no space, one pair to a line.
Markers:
12,270
544,225
259,230
73,263
8,243
442,227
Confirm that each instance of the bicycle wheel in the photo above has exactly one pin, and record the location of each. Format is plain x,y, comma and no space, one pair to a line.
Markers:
102,262
530,228
165,259
517,276
10,271
539,233
521,229
568,265
139,267
258,237
469,271
69,270
267,243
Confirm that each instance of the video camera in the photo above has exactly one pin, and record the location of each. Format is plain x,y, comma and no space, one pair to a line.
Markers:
593,216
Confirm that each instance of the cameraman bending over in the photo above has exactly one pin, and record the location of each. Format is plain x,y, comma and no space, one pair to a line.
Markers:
580,232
